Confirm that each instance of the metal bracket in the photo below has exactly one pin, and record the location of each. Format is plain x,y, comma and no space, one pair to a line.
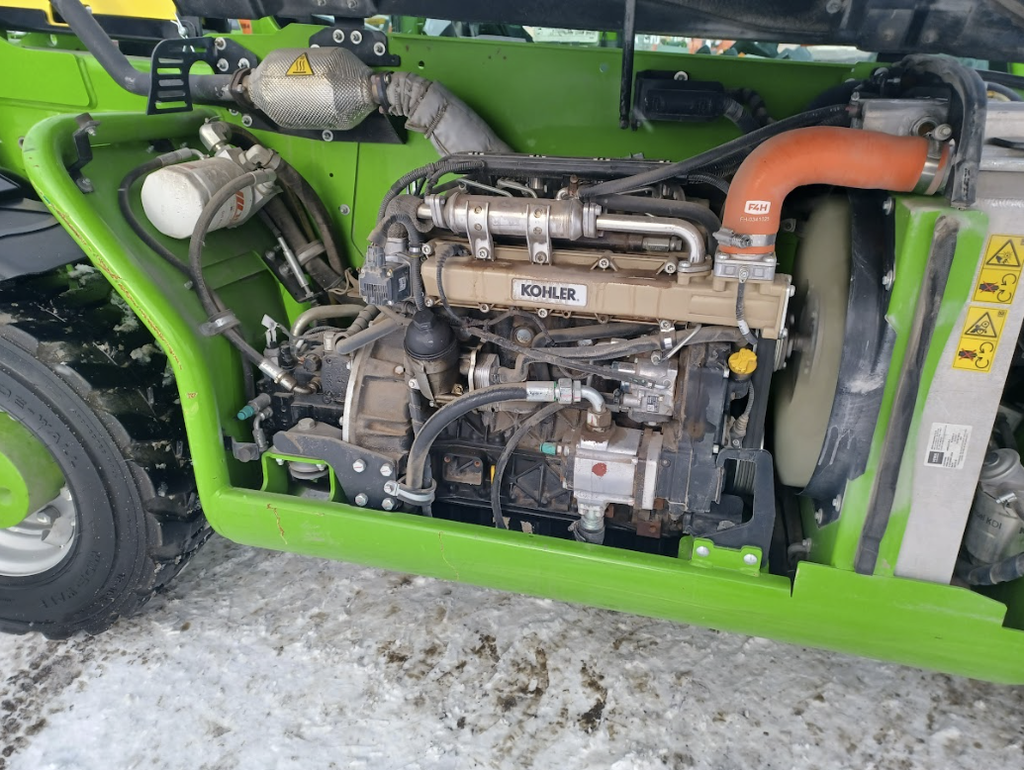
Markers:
626,77
478,232
538,233
83,150
169,90
370,45
757,531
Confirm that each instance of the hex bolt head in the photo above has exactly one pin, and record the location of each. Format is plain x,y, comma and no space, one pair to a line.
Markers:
247,120
321,466
388,504
344,209
703,550
244,64
749,559
379,48
386,470
361,499
887,206
356,37
222,65
819,516
220,43
327,135
338,36
359,466
279,461
887,280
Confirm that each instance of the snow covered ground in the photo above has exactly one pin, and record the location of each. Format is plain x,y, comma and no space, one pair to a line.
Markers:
265,660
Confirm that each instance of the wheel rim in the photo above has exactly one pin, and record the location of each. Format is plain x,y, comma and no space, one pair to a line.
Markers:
38,517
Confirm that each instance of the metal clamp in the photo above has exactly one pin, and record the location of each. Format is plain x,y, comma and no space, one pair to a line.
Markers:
411,496
83,150
219,323
727,237
934,173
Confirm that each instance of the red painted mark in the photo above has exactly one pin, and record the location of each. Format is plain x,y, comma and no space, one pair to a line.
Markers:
599,469
239,205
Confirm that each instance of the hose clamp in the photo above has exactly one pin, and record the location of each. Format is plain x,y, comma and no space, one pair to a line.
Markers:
728,237
934,173
218,324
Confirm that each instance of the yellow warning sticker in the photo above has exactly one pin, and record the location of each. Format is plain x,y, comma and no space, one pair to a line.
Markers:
300,66
980,339
1000,273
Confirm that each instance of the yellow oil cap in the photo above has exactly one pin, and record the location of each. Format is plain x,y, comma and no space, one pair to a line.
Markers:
743,362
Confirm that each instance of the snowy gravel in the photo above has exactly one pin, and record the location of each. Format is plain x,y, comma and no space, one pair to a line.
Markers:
266,660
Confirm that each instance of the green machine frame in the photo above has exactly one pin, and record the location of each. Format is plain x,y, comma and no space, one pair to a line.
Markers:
541,99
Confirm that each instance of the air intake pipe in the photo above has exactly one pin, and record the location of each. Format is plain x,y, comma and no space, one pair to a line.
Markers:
844,157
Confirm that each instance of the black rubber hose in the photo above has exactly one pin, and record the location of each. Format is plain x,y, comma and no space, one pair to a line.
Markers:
972,104
124,203
195,254
420,452
204,88
1001,572
362,321
1006,91
353,342
505,457
711,180
293,235
379,235
437,169
662,207
743,120
317,211
723,154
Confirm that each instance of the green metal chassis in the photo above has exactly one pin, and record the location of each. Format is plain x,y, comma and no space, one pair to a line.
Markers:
541,99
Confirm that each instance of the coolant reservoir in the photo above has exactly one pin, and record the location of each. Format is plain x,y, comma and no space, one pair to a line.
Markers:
995,531
174,197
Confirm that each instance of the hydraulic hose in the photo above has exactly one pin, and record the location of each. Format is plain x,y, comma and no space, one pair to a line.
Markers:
323,313
1001,572
204,88
353,342
415,476
821,155
999,88
720,155
124,203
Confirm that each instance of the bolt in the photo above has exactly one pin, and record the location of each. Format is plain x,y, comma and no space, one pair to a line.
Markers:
542,312
306,423
279,461
485,308
819,516
429,302
362,499
344,209
542,258
681,75
666,326
943,132
43,519
656,357
356,37
399,370
427,249
379,48
604,263
243,64
457,390
321,466
749,559
482,253
887,206
703,550
222,65
414,385
338,36
855,96
887,280
386,470
220,43
837,501
670,267
388,504
247,120
359,466
327,135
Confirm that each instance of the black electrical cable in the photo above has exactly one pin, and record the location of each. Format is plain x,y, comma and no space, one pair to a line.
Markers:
723,154
505,457
415,478
438,168
379,235
124,203
1006,91
662,207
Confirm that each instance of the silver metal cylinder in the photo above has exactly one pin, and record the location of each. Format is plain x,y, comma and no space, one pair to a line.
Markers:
995,531
678,228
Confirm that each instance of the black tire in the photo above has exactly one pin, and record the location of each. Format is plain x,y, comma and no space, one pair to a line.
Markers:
85,377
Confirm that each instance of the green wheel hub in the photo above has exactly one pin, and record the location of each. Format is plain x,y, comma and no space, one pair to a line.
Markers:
29,476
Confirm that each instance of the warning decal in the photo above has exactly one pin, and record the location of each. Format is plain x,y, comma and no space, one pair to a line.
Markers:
947,445
300,66
980,339
1000,273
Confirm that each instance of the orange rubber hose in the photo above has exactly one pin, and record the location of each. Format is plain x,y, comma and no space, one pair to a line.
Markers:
845,157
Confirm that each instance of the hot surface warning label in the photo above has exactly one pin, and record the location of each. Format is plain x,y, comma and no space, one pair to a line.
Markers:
979,339
300,66
1000,270
947,445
